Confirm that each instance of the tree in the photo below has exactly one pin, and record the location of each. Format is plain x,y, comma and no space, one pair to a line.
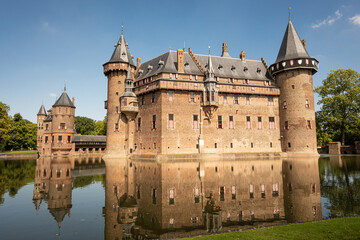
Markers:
340,105
84,125
100,127
4,125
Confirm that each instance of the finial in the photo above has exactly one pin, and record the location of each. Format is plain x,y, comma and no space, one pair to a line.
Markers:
122,27
289,12
64,85
209,49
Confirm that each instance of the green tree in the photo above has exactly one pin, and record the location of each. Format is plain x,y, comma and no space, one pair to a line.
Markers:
4,125
21,134
84,125
340,105
100,127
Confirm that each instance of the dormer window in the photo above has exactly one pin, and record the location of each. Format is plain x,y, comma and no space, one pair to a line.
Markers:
233,68
220,67
245,69
149,68
258,70
186,64
161,63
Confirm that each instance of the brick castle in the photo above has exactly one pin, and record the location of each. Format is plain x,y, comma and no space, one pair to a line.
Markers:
186,103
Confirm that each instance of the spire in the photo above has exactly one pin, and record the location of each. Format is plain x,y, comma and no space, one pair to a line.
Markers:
210,69
129,90
121,53
64,100
42,110
291,46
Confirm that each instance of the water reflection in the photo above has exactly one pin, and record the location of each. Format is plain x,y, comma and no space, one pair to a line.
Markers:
145,200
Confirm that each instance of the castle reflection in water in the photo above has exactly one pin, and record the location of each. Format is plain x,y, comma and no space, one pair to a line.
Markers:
145,200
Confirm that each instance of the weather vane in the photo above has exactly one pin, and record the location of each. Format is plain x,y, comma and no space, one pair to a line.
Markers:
209,49
122,27
289,12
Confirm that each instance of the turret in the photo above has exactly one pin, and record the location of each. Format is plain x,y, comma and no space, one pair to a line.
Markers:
210,91
292,71
116,69
40,127
63,120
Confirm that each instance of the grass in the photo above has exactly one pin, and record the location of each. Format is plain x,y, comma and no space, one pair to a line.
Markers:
341,228
17,152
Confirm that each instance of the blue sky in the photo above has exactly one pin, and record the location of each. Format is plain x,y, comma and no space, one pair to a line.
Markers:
45,43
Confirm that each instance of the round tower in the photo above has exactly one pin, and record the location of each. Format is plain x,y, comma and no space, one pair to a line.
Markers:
116,71
40,128
293,72
63,120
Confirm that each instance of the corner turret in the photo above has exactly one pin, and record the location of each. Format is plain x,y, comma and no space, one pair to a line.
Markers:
292,71
210,91
40,127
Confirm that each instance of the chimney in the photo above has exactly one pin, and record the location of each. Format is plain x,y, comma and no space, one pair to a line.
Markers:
73,101
303,43
180,60
138,62
242,56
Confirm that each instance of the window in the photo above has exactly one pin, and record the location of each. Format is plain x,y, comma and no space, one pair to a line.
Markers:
192,97
220,123
196,195
251,191
171,94
171,223
153,125
285,105
154,195
139,124
308,124
138,192
58,173
236,99
247,100
289,144
275,190
233,192
259,123
307,105
276,214
117,109
153,98
171,121
270,101
246,81
271,122
46,139
293,86
173,75
212,96
231,80
52,139
142,100
262,190
286,127
267,83
60,139
116,127
195,122
248,122
47,127
207,96
231,122
222,193
225,98
171,197
68,139
62,126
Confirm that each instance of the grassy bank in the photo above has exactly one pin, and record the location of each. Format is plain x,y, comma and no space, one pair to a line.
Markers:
19,152
342,228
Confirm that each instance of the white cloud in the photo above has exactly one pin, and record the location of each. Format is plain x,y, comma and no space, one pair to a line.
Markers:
52,94
47,27
355,19
329,20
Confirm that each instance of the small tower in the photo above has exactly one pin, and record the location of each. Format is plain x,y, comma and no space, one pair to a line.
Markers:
210,91
116,70
40,128
63,121
292,71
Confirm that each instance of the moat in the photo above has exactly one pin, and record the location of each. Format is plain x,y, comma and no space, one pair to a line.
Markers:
88,198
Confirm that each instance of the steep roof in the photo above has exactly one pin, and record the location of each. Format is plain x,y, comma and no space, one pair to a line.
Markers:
222,66
291,46
64,101
42,110
121,53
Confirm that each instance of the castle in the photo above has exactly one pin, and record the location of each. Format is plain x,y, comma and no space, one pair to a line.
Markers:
186,103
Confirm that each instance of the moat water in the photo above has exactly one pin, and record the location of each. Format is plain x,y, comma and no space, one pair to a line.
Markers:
87,198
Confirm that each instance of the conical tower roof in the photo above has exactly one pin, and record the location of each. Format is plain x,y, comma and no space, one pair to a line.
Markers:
129,85
291,46
121,53
64,100
42,110
210,71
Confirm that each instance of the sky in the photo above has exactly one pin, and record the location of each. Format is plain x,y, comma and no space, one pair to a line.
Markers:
46,44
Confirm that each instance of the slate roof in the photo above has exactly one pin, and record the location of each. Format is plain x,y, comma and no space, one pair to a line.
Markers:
121,53
42,110
291,46
88,138
48,117
223,66
64,101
